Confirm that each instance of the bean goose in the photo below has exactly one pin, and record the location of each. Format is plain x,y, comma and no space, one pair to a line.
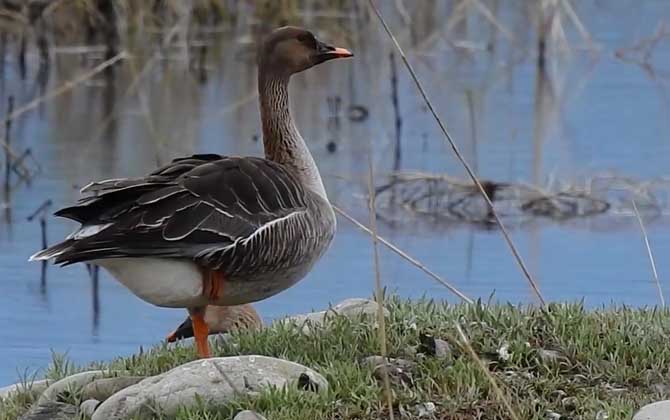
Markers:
221,319
212,229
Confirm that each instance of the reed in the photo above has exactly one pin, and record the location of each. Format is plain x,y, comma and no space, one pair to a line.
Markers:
458,154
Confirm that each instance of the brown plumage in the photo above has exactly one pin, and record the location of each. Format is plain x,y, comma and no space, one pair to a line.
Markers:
211,229
221,320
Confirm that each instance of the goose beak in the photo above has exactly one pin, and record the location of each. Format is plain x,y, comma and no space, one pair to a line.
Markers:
185,330
326,52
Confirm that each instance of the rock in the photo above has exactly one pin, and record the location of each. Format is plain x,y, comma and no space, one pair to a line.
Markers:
398,370
374,361
434,346
349,308
88,407
51,410
101,389
248,415
426,409
396,375
551,356
215,380
655,411
70,383
35,388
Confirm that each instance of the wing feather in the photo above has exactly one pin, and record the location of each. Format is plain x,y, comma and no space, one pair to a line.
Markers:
204,207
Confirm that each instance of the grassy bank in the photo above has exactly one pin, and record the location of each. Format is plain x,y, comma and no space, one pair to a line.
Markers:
578,364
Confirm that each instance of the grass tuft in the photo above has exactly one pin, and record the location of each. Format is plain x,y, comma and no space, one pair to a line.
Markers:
563,359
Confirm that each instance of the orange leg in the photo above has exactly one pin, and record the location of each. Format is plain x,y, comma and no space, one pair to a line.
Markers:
200,331
216,281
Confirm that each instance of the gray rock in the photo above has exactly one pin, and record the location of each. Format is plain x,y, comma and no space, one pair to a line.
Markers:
214,380
657,411
70,383
101,389
374,361
349,308
51,410
88,407
552,356
248,415
433,346
35,388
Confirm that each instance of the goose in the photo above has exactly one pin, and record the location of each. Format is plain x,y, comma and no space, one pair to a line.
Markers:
211,229
221,319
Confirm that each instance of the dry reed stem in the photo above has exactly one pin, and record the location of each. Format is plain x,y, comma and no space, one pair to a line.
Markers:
458,154
482,366
381,320
650,254
405,256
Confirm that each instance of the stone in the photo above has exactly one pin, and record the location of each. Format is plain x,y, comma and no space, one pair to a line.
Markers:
70,383
551,356
215,380
374,361
101,389
656,411
35,388
51,410
396,375
88,407
349,308
248,415
426,409
434,346
399,371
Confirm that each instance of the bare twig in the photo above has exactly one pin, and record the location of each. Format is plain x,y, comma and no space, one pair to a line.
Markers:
458,154
405,256
651,254
482,366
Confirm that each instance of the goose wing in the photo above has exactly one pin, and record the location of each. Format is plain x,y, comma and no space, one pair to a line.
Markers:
199,207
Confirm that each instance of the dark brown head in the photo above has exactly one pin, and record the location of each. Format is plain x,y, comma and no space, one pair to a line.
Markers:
291,50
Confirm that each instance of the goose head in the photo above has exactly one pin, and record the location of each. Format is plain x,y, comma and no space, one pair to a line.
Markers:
290,50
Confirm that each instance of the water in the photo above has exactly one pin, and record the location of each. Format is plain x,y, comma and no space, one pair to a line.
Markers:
605,115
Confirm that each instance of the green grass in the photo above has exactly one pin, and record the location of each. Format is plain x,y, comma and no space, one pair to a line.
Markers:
612,362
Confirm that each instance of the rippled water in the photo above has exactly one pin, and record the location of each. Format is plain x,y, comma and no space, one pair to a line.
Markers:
596,113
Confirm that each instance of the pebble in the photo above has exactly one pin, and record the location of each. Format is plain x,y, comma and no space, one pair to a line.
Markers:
248,415
350,308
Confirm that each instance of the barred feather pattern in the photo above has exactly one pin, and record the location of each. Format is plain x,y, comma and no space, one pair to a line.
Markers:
244,216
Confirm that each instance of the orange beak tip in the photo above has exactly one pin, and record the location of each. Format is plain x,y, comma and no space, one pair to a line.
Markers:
343,53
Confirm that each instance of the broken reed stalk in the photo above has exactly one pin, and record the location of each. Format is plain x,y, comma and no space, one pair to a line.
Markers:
397,151
405,256
8,141
41,211
458,154
494,384
652,261
378,282
94,274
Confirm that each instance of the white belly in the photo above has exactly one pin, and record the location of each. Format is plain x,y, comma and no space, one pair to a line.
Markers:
162,282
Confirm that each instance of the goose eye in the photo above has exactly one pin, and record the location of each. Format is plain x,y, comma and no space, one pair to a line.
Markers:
308,40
